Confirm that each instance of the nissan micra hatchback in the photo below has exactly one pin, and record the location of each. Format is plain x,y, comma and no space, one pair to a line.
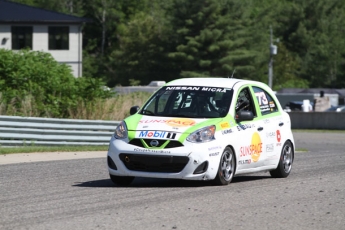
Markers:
203,129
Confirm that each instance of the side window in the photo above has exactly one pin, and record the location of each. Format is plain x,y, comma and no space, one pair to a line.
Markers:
244,102
266,102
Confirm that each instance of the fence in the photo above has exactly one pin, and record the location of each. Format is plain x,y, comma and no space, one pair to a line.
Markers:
48,131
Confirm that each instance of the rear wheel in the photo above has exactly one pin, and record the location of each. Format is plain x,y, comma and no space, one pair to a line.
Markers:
226,167
122,180
285,162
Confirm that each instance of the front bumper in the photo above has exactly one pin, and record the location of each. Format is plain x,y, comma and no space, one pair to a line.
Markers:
191,161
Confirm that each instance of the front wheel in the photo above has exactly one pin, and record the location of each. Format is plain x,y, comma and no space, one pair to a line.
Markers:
122,180
285,162
226,169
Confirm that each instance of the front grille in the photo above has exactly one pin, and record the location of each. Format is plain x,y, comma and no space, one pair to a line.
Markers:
149,163
171,143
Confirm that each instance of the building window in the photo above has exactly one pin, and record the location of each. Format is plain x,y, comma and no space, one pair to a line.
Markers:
58,37
21,37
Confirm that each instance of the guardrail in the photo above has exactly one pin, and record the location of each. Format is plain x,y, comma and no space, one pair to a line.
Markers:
18,131
318,120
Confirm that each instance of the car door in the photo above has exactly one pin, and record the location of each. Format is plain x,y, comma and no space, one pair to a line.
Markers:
272,124
249,134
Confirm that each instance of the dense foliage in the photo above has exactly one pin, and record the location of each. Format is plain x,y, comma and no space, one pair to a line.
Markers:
134,42
49,87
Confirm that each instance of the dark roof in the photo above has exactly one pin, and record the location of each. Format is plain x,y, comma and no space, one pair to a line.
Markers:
12,12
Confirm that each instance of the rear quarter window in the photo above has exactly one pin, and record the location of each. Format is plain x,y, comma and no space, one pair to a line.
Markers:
266,103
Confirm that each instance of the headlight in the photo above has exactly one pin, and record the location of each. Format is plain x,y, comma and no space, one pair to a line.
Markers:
121,131
202,135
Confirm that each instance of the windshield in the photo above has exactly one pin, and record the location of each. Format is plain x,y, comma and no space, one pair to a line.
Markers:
189,101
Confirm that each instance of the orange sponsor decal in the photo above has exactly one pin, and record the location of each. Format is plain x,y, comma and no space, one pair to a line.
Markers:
175,122
180,122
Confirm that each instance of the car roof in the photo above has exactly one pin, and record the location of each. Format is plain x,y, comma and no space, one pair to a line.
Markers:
211,82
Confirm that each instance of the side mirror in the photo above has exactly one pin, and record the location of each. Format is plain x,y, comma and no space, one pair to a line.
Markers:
244,116
134,110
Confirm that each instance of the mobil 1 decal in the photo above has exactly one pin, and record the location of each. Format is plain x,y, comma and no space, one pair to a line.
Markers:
253,150
156,134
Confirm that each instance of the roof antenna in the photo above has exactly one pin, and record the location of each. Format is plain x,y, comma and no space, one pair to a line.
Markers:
232,75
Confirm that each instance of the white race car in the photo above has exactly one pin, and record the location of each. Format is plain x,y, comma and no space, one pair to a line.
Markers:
203,129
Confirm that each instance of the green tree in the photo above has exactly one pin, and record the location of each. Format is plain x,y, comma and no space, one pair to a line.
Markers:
312,33
212,38
143,48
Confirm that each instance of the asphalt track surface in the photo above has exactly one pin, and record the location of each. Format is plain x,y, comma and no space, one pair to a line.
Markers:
77,194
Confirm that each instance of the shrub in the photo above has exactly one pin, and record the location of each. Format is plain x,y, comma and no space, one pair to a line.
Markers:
51,88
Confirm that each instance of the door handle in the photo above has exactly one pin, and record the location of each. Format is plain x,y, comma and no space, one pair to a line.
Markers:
281,123
260,128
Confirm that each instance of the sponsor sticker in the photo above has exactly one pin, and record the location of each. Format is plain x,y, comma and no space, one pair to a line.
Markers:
227,131
269,148
214,154
225,125
175,122
151,151
155,134
197,88
245,126
271,134
279,137
254,149
243,162
214,148
266,121
232,123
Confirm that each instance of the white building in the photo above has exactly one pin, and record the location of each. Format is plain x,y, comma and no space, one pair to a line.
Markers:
23,26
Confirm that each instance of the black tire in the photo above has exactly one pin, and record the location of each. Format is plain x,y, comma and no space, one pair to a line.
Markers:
226,169
121,180
285,162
